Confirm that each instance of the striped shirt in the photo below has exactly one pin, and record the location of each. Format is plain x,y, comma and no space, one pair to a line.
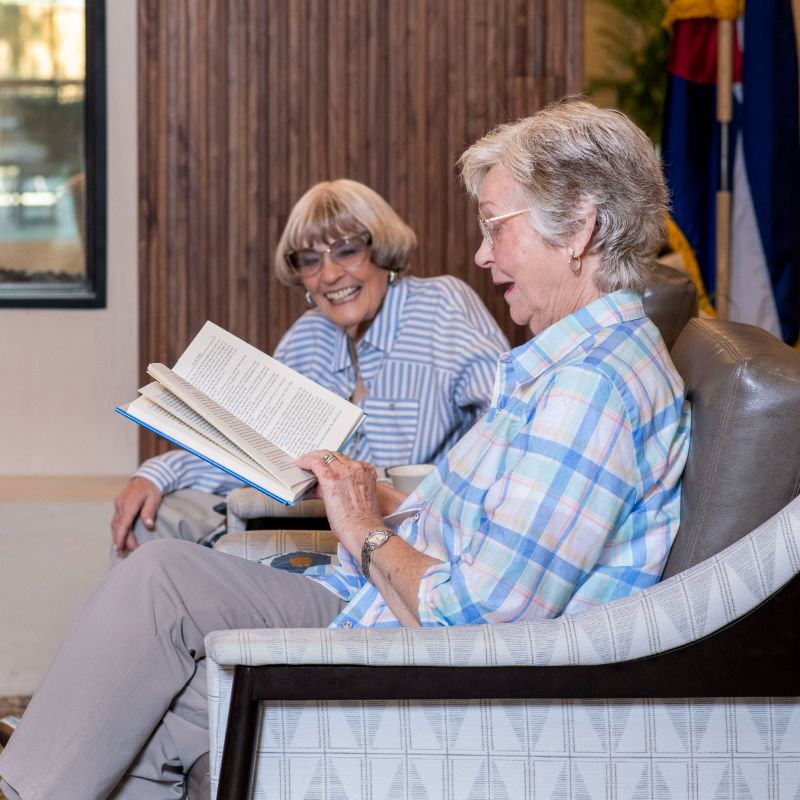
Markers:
427,362
566,494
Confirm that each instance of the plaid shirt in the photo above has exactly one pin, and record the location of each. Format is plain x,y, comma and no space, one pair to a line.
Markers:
566,494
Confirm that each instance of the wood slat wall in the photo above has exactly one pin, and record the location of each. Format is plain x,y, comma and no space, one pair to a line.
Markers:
244,104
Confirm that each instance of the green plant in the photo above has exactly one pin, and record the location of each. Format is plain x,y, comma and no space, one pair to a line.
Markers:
637,46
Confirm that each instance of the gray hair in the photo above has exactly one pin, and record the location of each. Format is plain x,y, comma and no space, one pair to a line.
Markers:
571,153
331,210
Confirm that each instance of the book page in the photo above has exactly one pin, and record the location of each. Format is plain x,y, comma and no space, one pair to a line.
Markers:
270,457
288,409
165,424
161,396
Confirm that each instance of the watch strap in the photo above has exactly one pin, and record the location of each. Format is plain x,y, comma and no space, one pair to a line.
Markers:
373,540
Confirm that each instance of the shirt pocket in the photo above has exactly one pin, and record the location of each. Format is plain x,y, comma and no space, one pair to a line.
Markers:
391,426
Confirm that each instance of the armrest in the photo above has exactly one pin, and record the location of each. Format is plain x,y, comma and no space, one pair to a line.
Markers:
262,545
676,612
248,504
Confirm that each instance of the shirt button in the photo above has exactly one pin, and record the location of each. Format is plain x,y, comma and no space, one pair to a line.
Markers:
347,624
391,406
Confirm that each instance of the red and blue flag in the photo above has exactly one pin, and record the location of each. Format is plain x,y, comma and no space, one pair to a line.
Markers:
764,164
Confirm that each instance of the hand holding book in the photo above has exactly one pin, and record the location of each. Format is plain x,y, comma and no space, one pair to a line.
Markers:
243,411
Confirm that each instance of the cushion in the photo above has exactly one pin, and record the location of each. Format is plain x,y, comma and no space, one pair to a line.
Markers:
670,300
744,458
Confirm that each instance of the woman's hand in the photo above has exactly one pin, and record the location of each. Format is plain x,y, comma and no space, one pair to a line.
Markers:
349,489
139,498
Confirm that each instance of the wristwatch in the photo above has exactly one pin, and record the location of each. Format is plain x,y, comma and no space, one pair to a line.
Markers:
374,540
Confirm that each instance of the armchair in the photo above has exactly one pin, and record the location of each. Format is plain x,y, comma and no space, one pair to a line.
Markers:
687,689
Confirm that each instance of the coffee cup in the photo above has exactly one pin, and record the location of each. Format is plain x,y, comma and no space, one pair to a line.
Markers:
406,478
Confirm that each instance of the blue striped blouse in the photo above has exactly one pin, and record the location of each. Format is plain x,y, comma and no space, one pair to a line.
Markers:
427,361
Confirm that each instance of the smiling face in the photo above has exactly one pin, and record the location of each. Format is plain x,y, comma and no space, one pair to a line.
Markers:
350,298
539,287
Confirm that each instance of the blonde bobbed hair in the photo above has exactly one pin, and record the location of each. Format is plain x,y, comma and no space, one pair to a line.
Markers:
331,210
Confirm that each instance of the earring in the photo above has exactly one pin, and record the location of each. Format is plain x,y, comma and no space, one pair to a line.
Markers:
309,300
575,270
392,276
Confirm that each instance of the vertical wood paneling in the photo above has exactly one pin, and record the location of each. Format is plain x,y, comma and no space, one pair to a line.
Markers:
244,104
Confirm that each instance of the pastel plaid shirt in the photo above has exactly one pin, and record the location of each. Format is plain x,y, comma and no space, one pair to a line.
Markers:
566,494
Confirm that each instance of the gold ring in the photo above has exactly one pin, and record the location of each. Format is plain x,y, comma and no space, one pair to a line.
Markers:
327,458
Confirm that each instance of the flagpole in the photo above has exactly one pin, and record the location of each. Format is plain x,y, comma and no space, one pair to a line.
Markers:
724,117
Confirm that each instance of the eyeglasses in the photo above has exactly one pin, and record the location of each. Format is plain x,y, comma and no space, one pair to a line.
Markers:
483,224
349,253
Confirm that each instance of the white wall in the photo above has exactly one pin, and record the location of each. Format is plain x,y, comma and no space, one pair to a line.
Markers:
63,371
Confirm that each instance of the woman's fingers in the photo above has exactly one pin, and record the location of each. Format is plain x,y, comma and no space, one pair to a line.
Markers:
349,490
139,498
325,464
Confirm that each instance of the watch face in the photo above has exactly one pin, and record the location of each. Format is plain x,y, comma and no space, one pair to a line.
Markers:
376,538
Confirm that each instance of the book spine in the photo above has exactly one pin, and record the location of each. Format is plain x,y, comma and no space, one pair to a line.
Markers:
208,460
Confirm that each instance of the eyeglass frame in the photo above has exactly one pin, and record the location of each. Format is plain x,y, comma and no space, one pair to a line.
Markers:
365,238
483,224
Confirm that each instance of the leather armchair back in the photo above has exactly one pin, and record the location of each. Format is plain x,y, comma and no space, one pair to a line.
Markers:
744,458
670,300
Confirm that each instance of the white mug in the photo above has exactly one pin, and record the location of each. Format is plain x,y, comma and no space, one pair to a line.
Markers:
406,478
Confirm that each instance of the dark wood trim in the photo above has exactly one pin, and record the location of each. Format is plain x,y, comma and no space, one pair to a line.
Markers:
755,656
288,523
96,154
239,760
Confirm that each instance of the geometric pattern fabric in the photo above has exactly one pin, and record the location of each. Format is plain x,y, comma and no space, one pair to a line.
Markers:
607,749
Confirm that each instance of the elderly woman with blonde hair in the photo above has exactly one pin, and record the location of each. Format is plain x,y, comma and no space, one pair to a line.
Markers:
417,354
564,495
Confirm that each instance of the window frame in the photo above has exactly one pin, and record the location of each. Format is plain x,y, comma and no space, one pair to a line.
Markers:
91,292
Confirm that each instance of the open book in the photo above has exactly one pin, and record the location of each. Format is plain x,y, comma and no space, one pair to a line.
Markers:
244,412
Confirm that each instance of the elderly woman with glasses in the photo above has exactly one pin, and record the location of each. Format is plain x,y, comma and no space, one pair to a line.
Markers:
417,354
564,495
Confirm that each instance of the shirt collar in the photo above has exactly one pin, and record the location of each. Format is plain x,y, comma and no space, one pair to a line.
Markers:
383,331
555,343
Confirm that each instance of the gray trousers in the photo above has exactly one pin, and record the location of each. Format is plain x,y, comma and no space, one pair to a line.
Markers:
122,710
187,514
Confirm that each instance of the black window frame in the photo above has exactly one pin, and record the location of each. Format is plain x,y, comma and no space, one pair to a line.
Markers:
91,292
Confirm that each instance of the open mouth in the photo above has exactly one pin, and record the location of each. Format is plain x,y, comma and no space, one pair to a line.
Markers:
505,287
342,295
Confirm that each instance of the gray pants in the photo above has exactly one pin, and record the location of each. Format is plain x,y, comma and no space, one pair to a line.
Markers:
122,710
187,514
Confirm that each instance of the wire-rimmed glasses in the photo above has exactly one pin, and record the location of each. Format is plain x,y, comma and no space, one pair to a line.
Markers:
483,224
349,252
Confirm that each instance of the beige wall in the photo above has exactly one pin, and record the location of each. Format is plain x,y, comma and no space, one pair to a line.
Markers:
64,370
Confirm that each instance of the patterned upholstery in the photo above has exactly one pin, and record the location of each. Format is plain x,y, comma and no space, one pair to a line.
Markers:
265,545
569,749
247,504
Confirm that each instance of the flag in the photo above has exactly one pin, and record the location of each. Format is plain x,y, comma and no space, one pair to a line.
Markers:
764,164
